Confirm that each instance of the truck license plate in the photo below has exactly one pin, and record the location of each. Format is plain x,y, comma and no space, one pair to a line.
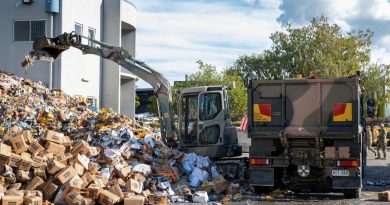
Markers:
340,173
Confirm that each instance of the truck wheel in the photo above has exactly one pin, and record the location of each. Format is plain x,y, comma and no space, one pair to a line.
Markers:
352,193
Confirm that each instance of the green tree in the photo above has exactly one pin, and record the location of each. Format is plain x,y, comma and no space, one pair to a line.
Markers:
153,106
376,78
137,102
319,45
208,75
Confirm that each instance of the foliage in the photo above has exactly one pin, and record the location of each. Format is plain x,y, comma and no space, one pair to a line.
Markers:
208,75
319,46
376,80
137,102
153,107
325,48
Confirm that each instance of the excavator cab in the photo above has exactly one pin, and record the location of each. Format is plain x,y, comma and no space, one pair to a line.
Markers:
204,122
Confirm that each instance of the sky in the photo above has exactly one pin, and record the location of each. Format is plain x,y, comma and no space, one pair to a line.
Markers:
172,35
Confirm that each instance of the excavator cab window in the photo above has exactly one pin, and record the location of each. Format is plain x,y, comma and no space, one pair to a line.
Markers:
189,118
210,106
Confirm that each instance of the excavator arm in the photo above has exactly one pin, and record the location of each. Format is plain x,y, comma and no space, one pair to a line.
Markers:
49,49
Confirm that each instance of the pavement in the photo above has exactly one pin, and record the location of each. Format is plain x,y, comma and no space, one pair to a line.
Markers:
377,179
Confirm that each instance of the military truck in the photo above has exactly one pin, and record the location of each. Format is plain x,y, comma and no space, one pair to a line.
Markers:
306,135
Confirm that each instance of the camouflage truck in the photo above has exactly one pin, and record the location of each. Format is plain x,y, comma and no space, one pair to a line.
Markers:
298,126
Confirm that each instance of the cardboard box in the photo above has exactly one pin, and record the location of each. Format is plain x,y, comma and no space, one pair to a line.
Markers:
93,190
81,159
53,136
28,138
124,172
35,147
384,196
108,198
74,198
40,172
66,174
87,178
50,190
134,200
5,153
12,200
134,185
80,146
54,167
138,177
101,181
120,182
330,152
92,169
33,193
147,194
158,199
220,184
116,189
15,160
89,201
79,169
32,200
25,162
22,176
35,183
19,144
55,148
37,161
76,182
67,141
13,132
64,159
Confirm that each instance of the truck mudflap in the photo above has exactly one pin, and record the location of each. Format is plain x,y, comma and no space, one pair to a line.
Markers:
352,182
266,179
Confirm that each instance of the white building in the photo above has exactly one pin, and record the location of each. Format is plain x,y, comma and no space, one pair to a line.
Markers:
110,21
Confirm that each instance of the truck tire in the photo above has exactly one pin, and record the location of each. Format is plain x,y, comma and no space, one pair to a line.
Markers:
352,193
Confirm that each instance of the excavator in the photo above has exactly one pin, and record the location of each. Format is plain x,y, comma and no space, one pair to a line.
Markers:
204,124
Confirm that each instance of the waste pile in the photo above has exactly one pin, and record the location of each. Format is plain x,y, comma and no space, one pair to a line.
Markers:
55,148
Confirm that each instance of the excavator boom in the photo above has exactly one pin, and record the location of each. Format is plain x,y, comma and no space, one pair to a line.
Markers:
48,49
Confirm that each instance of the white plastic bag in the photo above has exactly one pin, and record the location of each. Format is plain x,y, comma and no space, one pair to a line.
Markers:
197,177
200,197
148,139
189,163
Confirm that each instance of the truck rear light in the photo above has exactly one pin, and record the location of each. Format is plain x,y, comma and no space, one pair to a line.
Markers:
348,163
259,161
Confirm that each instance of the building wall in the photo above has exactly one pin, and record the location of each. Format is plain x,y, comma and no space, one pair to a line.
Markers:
118,91
80,74
76,74
12,53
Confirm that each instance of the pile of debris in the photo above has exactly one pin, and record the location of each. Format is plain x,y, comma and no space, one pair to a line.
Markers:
59,149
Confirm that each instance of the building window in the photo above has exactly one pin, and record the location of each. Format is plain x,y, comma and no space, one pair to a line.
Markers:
78,28
91,35
29,30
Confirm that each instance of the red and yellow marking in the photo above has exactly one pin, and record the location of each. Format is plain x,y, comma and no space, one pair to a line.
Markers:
262,113
342,112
